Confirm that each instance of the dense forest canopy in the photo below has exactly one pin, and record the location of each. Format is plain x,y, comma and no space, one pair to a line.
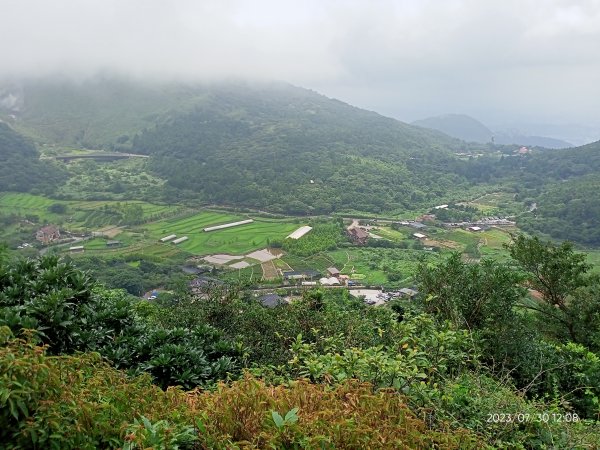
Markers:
20,168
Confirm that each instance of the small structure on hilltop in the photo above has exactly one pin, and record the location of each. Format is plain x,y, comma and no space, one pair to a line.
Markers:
47,234
168,238
77,249
112,244
419,236
474,228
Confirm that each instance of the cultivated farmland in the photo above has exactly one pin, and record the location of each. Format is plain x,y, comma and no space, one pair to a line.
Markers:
237,240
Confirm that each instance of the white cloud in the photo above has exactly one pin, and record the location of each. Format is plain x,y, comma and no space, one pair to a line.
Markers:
406,58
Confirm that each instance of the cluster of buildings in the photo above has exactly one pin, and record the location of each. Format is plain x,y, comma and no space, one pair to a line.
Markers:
482,224
377,297
47,234
309,278
358,235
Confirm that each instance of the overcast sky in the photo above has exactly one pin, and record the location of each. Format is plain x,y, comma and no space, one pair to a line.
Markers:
502,61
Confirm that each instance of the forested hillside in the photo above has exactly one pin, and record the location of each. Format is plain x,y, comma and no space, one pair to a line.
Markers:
20,168
294,151
100,112
564,185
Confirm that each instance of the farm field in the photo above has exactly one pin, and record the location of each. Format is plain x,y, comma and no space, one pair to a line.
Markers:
381,265
497,203
392,235
235,240
27,204
593,258
78,214
492,244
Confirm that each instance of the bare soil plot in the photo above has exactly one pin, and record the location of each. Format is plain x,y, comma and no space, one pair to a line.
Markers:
221,258
269,270
109,232
240,265
261,255
441,243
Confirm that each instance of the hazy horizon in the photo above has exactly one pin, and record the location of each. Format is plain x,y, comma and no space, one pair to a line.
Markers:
509,64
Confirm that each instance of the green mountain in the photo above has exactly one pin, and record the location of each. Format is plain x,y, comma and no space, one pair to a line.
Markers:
264,145
96,113
564,184
459,126
20,167
291,150
468,129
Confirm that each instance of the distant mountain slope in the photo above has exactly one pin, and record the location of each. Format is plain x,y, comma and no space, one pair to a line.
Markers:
262,145
530,141
96,113
468,129
20,167
459,126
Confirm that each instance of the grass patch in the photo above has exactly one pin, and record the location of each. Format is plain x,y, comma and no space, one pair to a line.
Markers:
236,240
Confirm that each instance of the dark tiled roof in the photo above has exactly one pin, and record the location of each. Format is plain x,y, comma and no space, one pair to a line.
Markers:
271,300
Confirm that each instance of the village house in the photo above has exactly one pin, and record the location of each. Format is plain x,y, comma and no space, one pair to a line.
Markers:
417,225
358,235
271,300
47,234
333,272
290,275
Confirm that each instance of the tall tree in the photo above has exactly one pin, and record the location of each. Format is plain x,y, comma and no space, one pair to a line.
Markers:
556,272
473,296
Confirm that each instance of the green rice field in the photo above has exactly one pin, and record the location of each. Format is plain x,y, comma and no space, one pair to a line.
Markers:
235,240
79,214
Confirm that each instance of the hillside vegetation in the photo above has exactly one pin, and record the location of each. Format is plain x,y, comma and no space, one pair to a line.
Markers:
471,362
282,149
20,168
290,150
257,145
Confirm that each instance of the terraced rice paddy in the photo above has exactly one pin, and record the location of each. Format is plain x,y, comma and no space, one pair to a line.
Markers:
88,214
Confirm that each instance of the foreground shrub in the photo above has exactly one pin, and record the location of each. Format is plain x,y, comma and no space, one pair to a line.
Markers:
68,402
64,402
81,402
351,415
